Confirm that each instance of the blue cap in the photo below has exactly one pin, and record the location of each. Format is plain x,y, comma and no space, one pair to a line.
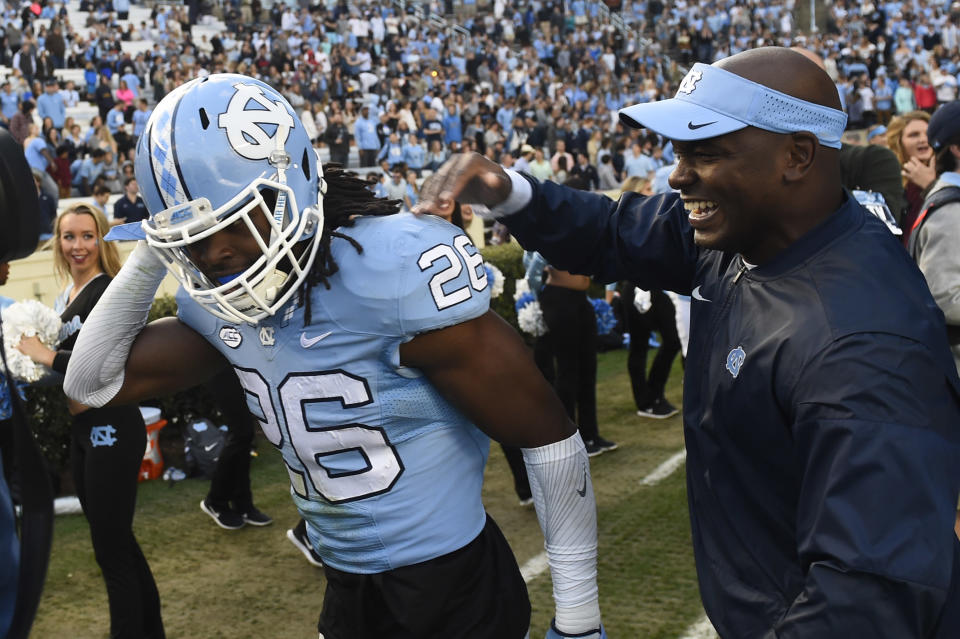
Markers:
711,101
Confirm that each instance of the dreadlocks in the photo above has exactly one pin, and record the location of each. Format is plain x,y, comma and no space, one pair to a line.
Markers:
346,197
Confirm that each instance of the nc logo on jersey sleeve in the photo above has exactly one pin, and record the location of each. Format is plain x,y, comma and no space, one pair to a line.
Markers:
254,123
103,435
735,360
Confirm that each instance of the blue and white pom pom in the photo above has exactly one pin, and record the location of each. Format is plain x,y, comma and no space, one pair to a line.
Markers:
529,315
606,320
495,277
23,319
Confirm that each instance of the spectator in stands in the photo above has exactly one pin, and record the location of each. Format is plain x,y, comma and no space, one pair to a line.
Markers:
115,117
20,122
88,171
101,195
414,154
140,117
125,97
586,171
365,134
337,137
103,96
9,103
907,138
51,104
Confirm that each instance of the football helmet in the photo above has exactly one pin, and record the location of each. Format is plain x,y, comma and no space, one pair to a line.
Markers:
211,151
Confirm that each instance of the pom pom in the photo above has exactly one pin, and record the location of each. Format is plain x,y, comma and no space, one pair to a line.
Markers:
522,286
606,320
495,277
23,319
530,319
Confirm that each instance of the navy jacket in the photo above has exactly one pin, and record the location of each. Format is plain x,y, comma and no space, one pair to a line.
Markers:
821,414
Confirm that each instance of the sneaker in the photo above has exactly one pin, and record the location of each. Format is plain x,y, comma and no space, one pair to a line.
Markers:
526,501
592,448
255,517
659,409
605,444
224,517
298,538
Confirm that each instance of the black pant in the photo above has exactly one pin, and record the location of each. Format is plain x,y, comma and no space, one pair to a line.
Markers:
475,592
661,318
521,482
230,484
572,326
368,157
107,447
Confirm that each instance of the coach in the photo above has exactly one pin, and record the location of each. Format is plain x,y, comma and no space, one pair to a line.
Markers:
821,403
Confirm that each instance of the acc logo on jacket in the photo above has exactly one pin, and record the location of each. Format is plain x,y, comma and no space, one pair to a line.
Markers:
735,360
254,133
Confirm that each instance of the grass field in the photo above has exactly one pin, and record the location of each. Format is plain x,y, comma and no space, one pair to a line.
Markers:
253,583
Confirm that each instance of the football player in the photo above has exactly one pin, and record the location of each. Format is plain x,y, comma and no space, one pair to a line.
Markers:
369,356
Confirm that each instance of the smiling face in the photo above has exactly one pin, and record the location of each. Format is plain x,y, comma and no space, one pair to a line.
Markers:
79,244
914,141
730,185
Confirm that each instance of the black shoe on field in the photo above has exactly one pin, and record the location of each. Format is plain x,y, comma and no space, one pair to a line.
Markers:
298,537
225,518
605,444
593,449
255,517
660,409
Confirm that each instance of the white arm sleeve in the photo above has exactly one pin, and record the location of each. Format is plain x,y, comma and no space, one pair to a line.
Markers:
563,496
95,372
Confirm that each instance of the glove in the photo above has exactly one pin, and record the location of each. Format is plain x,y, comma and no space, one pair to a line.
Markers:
598,633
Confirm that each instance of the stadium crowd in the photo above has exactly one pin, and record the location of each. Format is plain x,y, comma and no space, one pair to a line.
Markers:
531,83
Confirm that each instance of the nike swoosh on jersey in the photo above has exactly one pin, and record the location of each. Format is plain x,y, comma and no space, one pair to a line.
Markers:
307,342
697,296
694,127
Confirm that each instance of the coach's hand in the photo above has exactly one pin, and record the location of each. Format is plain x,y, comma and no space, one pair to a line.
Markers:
468,178
597,633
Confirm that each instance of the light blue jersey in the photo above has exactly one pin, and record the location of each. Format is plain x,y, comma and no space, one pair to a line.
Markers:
384,470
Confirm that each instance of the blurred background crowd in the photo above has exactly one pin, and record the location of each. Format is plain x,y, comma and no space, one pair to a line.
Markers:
395,87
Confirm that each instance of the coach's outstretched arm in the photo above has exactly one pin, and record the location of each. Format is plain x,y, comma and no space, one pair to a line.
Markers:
576,231
119,360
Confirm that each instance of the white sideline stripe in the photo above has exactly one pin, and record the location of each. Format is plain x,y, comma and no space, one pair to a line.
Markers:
702,629
534,567
665,469
537,565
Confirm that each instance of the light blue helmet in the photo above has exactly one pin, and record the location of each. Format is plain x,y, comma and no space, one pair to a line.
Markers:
209,152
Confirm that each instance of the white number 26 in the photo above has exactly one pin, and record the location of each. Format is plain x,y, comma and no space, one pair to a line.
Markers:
473,262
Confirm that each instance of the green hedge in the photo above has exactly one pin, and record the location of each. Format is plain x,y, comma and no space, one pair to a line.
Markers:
507,258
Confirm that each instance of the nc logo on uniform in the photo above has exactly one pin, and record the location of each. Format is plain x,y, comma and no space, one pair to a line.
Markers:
689,82
255,132
735,360
103,435
266,336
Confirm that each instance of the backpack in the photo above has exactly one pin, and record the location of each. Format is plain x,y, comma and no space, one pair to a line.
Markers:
932,203
202,444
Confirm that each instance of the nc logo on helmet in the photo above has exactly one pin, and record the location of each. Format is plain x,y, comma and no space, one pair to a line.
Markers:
255,133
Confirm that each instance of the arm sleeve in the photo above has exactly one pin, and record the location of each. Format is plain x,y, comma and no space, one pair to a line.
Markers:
566,508
646,240
877,443
96,369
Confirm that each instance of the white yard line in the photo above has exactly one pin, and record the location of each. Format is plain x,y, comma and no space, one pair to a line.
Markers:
538,565
665,469
702,629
